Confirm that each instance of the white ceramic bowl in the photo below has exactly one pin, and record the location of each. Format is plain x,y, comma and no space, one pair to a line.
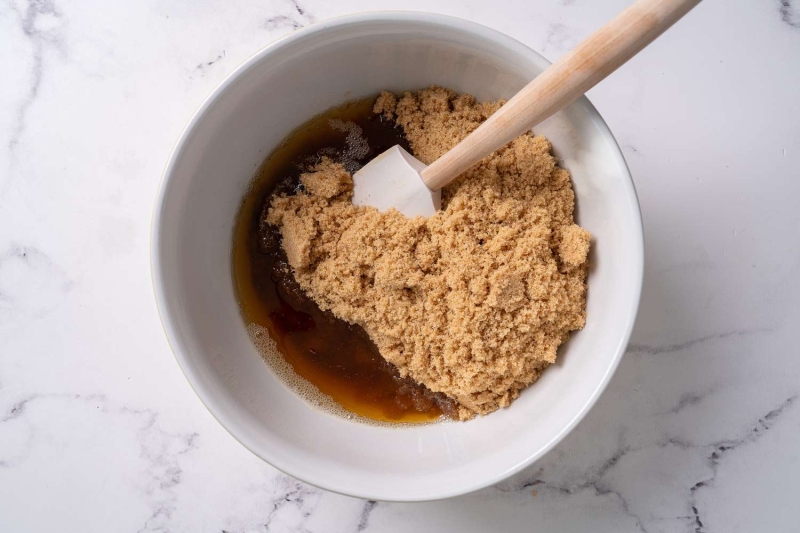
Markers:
274,92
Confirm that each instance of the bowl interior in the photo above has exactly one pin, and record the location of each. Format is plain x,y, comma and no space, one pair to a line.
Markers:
273,93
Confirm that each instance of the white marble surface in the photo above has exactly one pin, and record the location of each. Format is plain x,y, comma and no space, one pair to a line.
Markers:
99,431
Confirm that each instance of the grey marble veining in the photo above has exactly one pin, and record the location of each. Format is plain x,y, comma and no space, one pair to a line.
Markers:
789,13
296,17
40,24
685,345
99,430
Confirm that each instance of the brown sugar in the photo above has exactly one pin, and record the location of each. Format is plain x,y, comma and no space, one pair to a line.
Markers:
472,302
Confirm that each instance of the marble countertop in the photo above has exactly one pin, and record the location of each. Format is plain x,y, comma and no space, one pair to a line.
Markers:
99,431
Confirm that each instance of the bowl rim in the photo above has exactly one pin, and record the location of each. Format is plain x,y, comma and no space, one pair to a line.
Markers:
164,307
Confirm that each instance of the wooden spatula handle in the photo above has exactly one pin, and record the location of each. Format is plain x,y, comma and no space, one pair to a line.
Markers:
559,85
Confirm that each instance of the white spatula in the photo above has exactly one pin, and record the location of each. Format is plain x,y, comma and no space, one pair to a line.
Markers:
397,179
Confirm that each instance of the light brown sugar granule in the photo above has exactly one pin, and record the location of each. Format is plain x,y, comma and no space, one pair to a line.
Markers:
474,301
